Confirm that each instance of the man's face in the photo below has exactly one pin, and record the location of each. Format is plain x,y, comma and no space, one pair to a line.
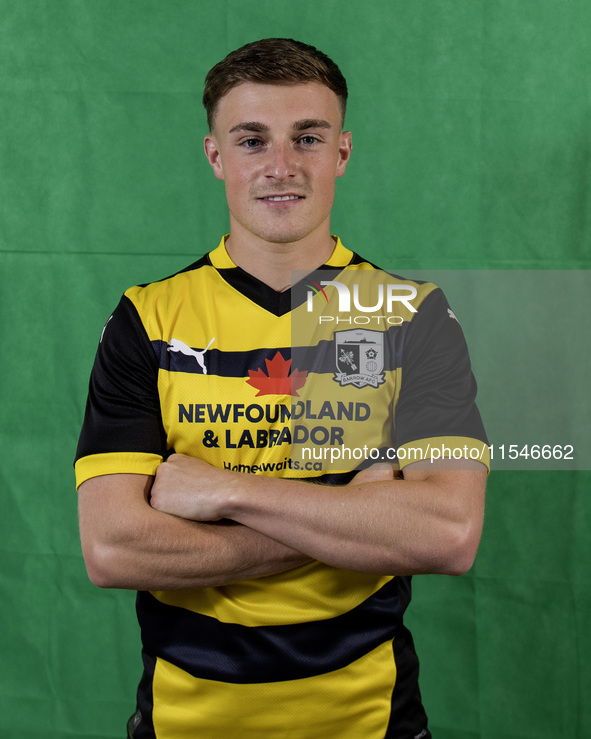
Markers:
278,149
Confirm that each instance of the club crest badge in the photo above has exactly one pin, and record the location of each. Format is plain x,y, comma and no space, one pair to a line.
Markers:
359,358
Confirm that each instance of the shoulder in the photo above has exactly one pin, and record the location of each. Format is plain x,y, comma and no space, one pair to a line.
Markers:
391,290
173,285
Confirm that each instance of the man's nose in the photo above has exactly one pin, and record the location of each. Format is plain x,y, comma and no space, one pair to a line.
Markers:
283,161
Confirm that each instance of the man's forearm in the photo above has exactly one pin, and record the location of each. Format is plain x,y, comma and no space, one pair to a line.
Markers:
403,527
429,522
127,544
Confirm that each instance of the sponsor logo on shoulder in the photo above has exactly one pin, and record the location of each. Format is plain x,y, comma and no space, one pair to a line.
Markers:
359,358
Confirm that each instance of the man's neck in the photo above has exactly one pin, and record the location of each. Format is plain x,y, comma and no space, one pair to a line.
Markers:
273,263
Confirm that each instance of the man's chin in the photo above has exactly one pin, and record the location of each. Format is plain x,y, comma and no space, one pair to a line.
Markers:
284,236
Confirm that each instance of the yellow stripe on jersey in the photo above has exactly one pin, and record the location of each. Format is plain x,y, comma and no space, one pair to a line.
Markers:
198,301
319,707
313,592
444,447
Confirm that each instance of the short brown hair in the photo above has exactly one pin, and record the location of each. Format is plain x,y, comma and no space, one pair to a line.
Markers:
272,61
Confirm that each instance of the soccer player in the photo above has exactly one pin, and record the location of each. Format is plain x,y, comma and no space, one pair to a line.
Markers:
270,606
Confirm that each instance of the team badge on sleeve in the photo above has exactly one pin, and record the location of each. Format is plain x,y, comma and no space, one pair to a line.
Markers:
359,358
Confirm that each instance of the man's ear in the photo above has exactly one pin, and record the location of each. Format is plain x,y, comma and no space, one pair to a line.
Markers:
212,152
345,146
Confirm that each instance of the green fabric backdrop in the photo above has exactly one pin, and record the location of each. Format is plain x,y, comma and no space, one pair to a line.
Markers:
472,130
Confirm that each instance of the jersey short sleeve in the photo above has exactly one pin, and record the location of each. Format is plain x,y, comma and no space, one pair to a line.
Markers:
122,429
436,411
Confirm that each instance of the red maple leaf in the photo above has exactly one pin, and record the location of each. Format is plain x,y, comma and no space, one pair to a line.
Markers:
278,380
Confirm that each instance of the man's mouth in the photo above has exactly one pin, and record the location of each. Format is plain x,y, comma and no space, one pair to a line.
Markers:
279,198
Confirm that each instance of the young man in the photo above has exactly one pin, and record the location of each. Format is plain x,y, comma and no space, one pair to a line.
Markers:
272,607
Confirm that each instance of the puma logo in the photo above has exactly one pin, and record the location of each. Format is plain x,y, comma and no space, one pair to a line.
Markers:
174,345
452,314
104,329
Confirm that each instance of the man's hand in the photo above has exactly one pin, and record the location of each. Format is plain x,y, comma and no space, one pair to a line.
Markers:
378,472
191,488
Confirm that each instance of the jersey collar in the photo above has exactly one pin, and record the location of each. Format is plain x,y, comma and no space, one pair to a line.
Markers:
340,257
261,294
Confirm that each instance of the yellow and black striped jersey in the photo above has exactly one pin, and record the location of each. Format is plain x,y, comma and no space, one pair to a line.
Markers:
215,364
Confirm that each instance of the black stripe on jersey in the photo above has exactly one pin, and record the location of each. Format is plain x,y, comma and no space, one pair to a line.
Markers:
140,725
123,407
278,303
222,364
319,358
407,717
207,648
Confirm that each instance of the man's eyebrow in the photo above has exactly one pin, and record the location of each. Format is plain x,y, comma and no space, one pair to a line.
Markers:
311,123
252,126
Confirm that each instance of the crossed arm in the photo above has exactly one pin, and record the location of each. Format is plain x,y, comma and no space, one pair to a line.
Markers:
128,544
158,534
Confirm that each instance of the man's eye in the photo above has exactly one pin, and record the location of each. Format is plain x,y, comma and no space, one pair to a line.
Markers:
308,140
251,143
